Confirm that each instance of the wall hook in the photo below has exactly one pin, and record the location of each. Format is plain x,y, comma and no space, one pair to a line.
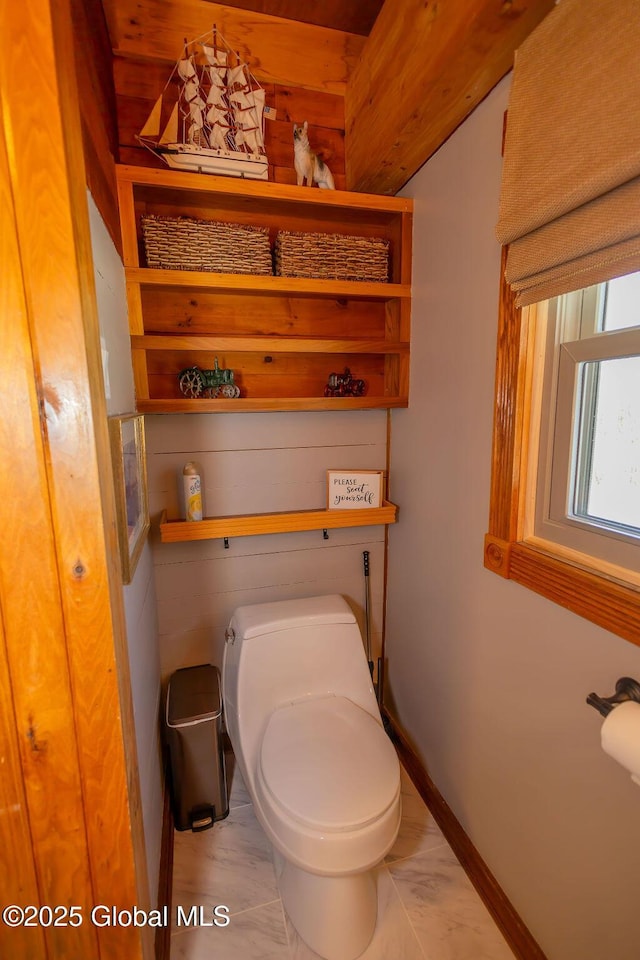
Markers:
626,689
325,535
226,543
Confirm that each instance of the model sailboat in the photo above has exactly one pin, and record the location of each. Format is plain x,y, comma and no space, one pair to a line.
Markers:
210,115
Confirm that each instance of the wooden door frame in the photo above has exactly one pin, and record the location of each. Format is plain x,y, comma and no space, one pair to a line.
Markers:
73,835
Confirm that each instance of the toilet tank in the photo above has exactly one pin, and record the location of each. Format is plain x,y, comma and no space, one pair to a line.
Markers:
280,652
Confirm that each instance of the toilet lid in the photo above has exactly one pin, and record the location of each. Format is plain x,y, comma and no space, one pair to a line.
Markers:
329,763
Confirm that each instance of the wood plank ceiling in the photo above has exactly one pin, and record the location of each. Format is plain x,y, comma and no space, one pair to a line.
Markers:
410,71
350,16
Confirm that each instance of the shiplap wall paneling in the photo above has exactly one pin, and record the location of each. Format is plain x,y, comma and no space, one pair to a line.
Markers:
260,481
251,464
198,596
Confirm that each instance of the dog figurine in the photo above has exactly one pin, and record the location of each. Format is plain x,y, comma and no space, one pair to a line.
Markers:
308,164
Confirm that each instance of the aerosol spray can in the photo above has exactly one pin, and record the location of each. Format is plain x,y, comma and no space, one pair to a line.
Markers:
192,491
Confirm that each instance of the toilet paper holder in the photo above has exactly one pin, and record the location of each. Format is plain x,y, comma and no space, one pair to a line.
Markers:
626,689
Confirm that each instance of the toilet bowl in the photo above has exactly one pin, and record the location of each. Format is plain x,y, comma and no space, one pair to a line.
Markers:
324,779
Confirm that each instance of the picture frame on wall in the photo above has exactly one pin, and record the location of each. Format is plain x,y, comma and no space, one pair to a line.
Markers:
354,489
130,478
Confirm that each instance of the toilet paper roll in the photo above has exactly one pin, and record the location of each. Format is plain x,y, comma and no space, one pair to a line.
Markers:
620,737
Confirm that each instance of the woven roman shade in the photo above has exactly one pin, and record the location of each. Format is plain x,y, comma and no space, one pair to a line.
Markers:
570,197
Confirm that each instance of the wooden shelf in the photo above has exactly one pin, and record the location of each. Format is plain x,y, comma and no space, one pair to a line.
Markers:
158,180
269,404
265,344
255,524
268,285
282,336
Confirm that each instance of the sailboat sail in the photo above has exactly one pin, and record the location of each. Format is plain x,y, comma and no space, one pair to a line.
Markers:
152,126
170,132
217,101
216,121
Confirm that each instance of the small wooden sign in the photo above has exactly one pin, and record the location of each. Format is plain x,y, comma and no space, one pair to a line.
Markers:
354,489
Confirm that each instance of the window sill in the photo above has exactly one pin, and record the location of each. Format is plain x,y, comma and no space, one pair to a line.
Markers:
597,596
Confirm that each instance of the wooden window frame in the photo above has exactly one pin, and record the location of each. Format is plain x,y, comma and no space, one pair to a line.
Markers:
591,593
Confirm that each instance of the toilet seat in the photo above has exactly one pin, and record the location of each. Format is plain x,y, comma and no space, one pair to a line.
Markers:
328,765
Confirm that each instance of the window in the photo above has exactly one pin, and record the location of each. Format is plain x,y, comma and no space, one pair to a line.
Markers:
568,217
587,485
565,452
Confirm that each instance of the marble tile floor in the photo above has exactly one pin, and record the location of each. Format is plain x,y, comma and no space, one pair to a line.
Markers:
427,907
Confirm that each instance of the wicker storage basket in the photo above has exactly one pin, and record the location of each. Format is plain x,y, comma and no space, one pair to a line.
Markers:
331,256
180,243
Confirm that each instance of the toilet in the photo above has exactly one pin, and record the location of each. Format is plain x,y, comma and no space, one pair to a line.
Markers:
322,774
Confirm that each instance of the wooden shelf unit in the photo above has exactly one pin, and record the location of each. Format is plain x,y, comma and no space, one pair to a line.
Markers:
255,524
282,336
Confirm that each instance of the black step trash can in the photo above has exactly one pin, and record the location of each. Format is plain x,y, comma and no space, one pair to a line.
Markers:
196,758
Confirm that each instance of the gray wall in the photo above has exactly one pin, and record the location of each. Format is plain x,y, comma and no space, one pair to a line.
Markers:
139,596
489,679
